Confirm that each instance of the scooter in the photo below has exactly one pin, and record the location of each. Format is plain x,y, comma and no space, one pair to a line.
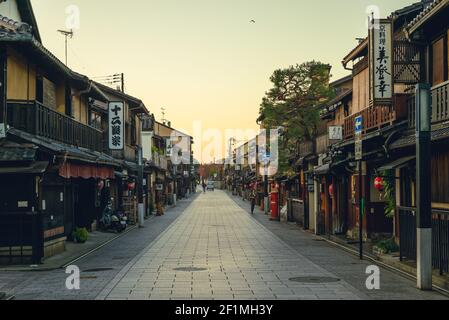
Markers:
110,220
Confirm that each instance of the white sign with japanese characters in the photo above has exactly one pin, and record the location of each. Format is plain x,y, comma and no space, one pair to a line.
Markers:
382,60
116,126
336,133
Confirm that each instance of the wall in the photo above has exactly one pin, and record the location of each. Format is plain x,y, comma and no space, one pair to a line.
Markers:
360,97
79,108
9,9
21,77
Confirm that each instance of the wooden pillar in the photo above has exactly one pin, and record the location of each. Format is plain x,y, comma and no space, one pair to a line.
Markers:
3,85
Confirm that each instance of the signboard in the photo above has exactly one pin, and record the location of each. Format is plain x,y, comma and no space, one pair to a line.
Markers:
336,133
169,147
358,128
116,126
2,131
381,52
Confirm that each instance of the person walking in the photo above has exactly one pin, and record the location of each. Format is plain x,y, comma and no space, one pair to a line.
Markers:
252,198
204,186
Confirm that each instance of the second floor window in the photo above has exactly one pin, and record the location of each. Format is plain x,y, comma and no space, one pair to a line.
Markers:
95,120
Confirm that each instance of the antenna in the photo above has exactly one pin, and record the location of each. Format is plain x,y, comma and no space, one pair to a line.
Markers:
163,115
66,34
118,78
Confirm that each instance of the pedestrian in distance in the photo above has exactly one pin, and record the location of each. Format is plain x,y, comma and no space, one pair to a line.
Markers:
252,198
204,187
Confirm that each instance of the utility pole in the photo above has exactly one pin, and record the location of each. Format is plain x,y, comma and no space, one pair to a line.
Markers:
122,79
66,34
141,207
358,150
423,187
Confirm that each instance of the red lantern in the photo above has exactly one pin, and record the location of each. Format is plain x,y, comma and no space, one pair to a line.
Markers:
331,190
379,183
131,186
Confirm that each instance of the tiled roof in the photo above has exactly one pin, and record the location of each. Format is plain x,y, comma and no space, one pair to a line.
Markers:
428,11
68,151
410,139
10,154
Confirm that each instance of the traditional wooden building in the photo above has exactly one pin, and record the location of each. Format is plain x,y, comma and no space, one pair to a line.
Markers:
53,162
124,189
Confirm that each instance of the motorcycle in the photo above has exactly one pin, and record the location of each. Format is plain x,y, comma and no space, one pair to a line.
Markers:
110,220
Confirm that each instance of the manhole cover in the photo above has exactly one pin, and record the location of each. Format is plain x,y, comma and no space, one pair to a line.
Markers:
314,279
190,269
98,269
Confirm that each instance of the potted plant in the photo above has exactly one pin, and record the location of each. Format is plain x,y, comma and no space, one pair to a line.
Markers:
80,235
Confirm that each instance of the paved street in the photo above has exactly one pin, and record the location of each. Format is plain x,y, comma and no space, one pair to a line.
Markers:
209,247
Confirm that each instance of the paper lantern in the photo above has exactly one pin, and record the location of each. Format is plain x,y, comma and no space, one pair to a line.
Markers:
131,186
331,190
379,183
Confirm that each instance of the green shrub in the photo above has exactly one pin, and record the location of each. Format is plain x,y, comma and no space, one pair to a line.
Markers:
80,235
388,246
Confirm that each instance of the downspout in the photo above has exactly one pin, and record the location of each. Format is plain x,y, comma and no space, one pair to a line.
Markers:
87,90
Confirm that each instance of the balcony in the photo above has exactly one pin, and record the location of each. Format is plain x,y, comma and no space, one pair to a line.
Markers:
440,105
42,121
160,161
374,118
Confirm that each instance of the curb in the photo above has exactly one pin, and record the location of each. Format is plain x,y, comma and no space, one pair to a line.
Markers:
385,265
73,260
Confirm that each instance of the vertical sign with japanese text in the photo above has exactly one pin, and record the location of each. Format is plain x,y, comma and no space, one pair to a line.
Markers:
116,125
381,51
358,129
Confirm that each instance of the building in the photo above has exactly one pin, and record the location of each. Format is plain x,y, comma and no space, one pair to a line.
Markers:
53,162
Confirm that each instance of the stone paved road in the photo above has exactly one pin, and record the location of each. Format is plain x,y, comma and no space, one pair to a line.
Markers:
211,248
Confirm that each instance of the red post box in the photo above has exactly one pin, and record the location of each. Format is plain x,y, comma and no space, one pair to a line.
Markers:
274,201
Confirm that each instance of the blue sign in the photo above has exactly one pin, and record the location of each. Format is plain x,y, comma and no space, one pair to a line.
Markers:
358,125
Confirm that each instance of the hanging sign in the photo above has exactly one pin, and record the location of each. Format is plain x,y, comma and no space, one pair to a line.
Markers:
336,133
116,126
358,128
381,53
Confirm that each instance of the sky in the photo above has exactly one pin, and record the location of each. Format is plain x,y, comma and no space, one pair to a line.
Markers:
203,60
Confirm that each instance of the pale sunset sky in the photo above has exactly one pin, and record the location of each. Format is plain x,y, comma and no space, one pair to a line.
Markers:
203,59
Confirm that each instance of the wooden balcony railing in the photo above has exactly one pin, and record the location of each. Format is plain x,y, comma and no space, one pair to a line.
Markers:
42,121
160,161
374,118
440,105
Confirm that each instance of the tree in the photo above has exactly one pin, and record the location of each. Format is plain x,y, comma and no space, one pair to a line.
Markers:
293,104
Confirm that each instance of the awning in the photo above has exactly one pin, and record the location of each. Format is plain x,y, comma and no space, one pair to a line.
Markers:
36,168
72,170
323,169
399,163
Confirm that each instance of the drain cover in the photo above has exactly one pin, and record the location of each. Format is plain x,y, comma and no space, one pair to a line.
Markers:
314,279
98,270
190,269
